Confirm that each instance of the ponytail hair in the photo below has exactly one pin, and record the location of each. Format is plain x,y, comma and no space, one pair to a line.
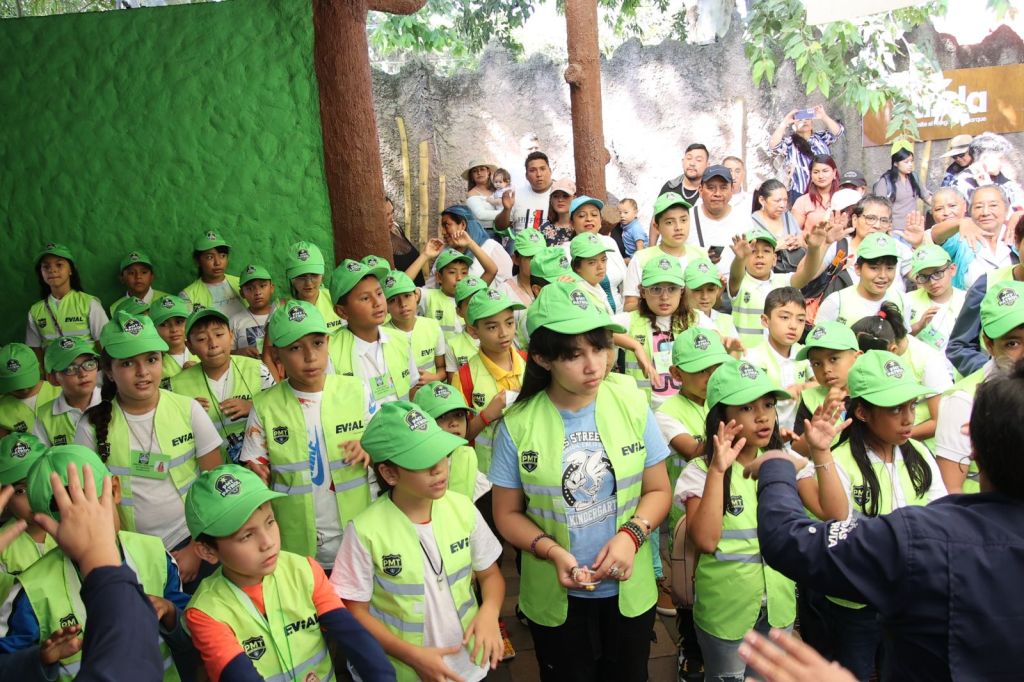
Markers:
716,416
100,414
881,331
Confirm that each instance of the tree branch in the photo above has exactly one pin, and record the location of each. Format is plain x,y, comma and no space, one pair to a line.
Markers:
396,6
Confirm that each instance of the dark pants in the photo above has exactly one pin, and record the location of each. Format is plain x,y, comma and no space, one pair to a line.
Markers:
596,643
812,614
856,636
688,643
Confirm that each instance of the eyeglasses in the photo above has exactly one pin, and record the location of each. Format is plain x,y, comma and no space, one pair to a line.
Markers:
87,366
934,277
668,290
876,220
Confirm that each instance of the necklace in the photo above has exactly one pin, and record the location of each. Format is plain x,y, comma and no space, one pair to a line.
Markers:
439,571
152,428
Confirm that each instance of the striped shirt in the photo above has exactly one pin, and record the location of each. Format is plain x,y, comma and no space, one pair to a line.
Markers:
800,165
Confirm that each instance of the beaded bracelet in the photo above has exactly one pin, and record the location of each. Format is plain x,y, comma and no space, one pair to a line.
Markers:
533,545
636,530
645,522
629,534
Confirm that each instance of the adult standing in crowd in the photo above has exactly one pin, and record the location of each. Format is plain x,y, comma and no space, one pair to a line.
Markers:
815,205
740,195
903,188
528,144
991,154
801,146
715,222
959,153
770,208
405,252
557,228
527,205
479,189
687,185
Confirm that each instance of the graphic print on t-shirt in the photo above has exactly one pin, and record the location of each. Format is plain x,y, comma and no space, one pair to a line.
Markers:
663,385
253,335
588,486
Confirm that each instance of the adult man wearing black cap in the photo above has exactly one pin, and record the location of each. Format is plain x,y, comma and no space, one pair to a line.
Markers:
854,180
713,221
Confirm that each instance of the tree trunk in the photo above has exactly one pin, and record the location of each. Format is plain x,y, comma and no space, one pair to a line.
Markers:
584,78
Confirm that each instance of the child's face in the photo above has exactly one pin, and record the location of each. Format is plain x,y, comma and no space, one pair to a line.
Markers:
305,361
674,226
891,425
1007,349
137,278
422,484
581,373
403,306
703,297
19,505
627,212
451,275
365,305
831,367
496,332
693,385
258,293
23,393
56,271
500,181
212,343
212,264
593,269
462,306
454,422
83,381
172,331
876,277
785,323
250,552
662,298
762,259
307,287
937,287
586,218
756,418
138,377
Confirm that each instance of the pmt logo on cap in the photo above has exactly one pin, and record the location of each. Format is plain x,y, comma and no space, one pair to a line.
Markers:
1007,297
416,421
748,371
296,314
302,254
579,299
493,295
563,262
20,449
211,235
372,261
818,333
66,343
701,342
389,281
133,257
664,264
13,365
166,302
591,238
893,370
703,267
472,282
250,269
227,484
132,326
441,391
533,236
354,266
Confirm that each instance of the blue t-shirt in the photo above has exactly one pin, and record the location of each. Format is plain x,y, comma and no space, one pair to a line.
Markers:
588,484
630,234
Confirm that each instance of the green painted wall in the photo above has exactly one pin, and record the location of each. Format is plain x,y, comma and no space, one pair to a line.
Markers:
143,128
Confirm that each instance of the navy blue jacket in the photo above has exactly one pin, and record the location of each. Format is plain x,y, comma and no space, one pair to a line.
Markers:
964,348
947,579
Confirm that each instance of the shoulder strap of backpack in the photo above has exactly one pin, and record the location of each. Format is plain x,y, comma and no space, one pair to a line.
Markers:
466,381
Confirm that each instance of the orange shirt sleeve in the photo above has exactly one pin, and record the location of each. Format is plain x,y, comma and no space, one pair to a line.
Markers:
324,597
215,641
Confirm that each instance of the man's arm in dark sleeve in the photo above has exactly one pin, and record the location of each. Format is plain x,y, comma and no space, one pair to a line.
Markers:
857,559
363,651
240,669
964,347
25,666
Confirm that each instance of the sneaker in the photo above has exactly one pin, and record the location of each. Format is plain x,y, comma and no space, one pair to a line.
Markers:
665,606
510,651
690,671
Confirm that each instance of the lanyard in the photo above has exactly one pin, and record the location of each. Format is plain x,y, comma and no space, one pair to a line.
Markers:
273,630
214,402
53,316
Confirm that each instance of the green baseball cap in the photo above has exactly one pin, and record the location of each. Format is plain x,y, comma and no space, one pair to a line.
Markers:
529,243
304,258
1002,309
55,461
128,335
405,435
133,305
881,378
449,256
662,270
346,276
738,382
54,249
700,272
587,245
831,335
253,272
292,321
467,286
377,265
135,258
551,264
210,239
437,398
761,234
222,499
877,245
202,314
490,302
18,452
166,307
62,352
397,282
565,308
929,256
696,349
667,201
19,367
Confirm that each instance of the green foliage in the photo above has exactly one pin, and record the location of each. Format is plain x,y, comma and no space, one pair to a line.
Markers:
34,8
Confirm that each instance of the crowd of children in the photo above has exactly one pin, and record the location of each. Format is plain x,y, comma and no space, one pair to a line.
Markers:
344,462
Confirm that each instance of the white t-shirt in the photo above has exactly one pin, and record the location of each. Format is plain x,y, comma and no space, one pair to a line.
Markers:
368,362
691,482
853,306
248,329
352,579
60,406
720,232
501,259
616,271
97,318
954,412
899,499
634,271
530,209
159,510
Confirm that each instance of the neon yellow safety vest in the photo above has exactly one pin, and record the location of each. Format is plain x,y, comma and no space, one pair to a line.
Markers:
918,304
853,306
16,416
731,583
70,317
969,385
441,307
342,349
814,397
53,587
484,390
172,431
326,308
246,382
199,296
644,255
171,369
157,295
918,356
463,347
398,577
423,342
691,415
462,471
14,559
285,642
60,428
748,306
640,329
342,411
538,433
724,324
766,359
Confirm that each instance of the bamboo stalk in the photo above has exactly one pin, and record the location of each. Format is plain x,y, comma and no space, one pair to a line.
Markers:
406,175
423,232
441,189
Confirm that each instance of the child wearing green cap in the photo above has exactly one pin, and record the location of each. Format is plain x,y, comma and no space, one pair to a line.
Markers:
48,604
1002,336
935,305
169,314
877,268
450,265
214,288
703,291
448,408
579,483
248,327
64,309
302,436
22,389
71,364
137,276
224,384
379,356
265,612
154,441
461,346
590,263
880,469
408,562
525,246
305,272
426,340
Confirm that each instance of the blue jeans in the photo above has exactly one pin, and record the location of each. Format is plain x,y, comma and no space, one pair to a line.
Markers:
856,636
722,662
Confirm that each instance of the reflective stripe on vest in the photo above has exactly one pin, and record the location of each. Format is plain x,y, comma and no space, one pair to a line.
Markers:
748,306
342,349
440,306
72,313
423,342
640,329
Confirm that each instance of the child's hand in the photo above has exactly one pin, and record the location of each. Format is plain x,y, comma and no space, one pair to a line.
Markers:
260,469
741,247
203,402
188,562
354,453
726,451
496,407
733,346
925,320
61,644
189,363
488,645
817,235
166,613
433,248
753,469
428,662
236,408
9,535
615,559
821,429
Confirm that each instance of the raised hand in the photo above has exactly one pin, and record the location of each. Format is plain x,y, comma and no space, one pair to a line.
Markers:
433,248
508,199
913,229
741,247
822,428
727,448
